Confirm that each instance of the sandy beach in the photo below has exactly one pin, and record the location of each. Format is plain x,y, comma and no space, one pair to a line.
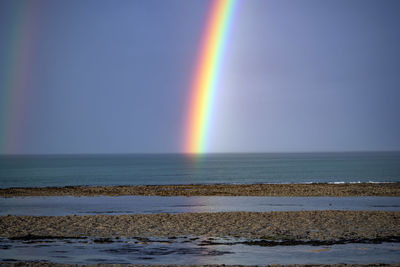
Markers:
315,228
329,226
358,189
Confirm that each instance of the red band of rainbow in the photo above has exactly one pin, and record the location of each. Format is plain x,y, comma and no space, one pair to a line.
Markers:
207,72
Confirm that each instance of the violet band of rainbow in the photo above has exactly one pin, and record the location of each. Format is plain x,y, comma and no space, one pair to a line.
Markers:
207,74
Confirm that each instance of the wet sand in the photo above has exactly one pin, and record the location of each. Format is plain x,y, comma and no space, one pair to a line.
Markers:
272,228
360,189
48,264
328,226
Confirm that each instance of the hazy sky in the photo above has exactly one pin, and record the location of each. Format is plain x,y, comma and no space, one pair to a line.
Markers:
114,76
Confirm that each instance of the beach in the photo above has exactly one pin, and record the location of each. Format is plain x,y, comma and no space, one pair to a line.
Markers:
325,226
313,189
320,230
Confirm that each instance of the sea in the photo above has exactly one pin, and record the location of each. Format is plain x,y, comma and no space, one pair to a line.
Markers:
162,169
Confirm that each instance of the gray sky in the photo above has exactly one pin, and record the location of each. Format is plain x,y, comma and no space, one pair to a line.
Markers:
114,76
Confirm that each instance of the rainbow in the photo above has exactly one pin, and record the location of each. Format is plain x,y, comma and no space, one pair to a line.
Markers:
206,75
16,72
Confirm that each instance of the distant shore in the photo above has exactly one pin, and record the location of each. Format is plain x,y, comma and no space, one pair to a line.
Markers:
317,189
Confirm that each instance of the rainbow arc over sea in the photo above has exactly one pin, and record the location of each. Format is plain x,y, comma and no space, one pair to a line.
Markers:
207,74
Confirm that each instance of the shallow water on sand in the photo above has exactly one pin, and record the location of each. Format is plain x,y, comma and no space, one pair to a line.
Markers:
188,250
57,206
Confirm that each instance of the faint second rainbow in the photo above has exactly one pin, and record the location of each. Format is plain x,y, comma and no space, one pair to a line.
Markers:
206,75
20,26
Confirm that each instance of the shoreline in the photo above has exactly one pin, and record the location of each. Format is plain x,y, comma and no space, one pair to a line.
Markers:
301,190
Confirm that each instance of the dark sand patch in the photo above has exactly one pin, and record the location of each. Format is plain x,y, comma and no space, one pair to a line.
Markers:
300,225
361,189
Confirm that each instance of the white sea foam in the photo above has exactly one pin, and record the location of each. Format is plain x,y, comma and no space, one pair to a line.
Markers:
361,182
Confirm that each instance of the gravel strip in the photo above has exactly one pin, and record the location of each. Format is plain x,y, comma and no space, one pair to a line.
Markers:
300,225
361,189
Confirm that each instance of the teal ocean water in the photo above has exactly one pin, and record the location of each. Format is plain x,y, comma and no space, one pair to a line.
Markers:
147,169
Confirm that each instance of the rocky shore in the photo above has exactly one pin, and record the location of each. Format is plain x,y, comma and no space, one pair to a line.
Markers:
358,189
329,226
